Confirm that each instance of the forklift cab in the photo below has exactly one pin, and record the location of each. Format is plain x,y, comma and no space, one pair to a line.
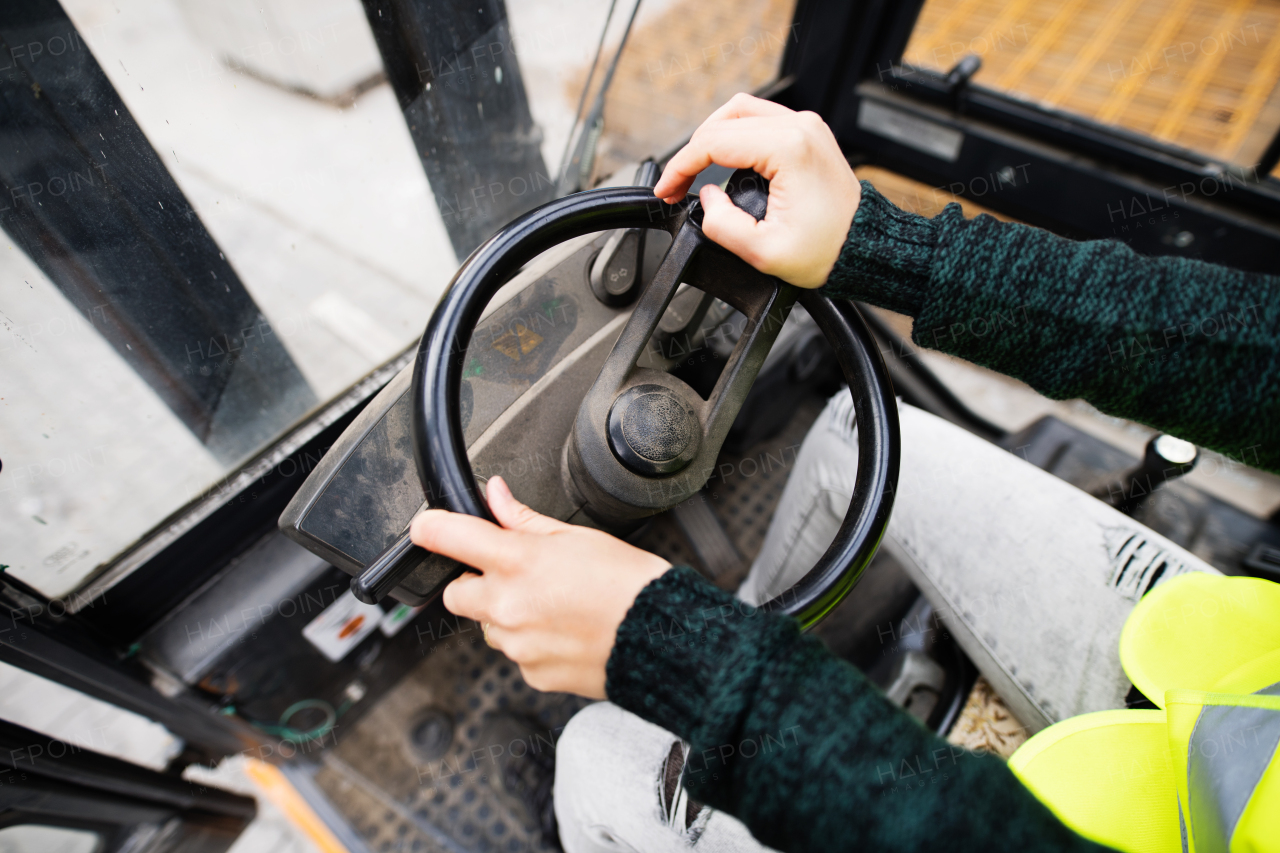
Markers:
229,224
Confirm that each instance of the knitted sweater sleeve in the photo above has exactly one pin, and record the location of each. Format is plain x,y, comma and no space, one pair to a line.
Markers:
799,745
1186,347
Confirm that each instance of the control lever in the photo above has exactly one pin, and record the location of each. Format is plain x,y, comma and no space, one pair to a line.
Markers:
1165,458
397,561
958,79
617,272
647,175
385,573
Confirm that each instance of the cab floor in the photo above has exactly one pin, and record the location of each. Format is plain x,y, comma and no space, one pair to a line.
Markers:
402,790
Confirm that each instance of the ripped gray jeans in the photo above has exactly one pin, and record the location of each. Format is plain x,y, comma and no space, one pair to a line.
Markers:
1033,577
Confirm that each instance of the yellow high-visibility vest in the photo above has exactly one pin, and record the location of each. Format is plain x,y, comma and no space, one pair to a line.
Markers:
1201,774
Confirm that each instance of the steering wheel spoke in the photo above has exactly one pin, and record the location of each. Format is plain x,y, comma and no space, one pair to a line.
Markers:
643,439
766,304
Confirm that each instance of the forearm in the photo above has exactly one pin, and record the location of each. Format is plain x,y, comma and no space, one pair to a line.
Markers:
798,745
1184,346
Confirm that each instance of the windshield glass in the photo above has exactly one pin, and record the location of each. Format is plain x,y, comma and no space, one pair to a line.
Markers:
220,215
1198,74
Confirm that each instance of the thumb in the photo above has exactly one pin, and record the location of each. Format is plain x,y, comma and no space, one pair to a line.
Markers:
727,224
514,515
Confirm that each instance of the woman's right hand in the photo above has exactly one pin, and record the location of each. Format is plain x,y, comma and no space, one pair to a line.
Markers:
813,193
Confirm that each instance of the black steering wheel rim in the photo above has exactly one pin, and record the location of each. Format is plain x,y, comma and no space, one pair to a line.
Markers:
438,441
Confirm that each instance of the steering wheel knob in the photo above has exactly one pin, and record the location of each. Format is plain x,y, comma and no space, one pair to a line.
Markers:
653,431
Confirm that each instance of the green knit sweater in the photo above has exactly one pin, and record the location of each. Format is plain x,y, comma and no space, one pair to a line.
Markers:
796,742
1186,347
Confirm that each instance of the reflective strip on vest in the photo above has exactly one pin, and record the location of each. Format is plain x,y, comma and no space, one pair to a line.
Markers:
1206,648
1231,742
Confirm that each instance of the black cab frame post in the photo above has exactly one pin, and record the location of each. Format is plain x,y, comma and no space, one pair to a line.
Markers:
50,782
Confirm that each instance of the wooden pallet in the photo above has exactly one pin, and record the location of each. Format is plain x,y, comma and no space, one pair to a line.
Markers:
986,724
1199,74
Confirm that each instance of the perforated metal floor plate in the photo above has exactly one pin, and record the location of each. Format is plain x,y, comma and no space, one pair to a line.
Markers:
402,793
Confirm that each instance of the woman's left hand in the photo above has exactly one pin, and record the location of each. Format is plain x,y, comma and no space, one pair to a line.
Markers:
551,596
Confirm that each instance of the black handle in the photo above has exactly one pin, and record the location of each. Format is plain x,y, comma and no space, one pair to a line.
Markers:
647,175
385,573
1165,458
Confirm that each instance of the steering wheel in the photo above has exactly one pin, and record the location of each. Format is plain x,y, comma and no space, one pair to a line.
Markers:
643,440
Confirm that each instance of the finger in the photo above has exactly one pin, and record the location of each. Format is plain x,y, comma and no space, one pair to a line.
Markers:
467,539
466,597
743,105
493,636
674,183
514,515
727,224
745,143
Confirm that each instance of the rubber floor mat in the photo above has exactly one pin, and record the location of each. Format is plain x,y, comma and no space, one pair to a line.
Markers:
411,775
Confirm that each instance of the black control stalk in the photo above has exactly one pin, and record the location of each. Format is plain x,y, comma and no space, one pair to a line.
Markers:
385,573
1165,458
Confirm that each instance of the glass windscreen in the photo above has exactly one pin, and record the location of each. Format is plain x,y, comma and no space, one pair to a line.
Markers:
219,215
1199,74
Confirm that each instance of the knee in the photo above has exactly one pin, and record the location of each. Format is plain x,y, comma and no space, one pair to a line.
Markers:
606,749
585,755
600,781
584,741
